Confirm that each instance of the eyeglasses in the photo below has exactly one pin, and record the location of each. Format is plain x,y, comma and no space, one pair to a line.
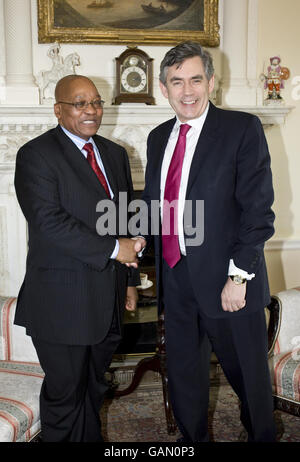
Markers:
80,105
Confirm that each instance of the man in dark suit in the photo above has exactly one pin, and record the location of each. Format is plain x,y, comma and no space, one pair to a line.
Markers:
76,283
214,167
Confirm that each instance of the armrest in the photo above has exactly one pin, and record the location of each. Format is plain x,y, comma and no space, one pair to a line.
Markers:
15,345
275,310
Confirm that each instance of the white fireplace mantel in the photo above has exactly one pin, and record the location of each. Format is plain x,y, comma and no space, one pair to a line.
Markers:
127,114
128,125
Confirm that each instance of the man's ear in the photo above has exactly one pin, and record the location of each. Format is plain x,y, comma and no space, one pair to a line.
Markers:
211,84
57,110
164,90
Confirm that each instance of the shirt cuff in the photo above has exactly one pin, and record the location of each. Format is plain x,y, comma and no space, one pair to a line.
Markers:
115,251
234,270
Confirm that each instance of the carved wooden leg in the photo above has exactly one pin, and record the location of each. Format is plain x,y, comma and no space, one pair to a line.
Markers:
161,353
144,365
156,363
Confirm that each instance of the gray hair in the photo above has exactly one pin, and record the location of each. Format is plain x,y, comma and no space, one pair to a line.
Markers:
180,53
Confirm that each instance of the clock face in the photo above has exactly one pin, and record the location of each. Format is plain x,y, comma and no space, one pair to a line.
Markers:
133,80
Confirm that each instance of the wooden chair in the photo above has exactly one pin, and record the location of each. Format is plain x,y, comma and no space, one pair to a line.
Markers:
284,350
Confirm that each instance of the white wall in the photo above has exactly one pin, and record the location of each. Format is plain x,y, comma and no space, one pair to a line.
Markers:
98,61
278,34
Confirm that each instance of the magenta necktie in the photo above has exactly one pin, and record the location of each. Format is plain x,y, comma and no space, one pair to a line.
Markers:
93,163
170,243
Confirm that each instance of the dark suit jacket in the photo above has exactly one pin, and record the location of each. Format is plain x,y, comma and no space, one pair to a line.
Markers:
69,291
231,172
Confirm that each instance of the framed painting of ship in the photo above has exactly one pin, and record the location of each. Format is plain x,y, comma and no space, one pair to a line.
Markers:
155,22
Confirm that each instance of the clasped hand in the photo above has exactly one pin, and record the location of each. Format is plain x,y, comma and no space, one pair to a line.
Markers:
128,255
129,249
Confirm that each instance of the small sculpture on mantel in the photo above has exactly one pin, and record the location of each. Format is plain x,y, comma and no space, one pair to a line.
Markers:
273,81
46,80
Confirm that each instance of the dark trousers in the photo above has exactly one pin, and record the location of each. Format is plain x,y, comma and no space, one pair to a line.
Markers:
74,387
240,344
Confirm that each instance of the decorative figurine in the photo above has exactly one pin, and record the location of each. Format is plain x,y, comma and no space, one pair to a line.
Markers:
273,81
46,80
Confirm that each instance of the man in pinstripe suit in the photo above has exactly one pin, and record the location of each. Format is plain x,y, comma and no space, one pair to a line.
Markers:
76,284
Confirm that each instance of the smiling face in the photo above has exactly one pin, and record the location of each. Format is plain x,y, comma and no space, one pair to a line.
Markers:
187,88
83,123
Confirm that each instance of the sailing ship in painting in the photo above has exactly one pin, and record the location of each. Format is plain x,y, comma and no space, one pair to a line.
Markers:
175,2
154,9
166,6
100,4
161,7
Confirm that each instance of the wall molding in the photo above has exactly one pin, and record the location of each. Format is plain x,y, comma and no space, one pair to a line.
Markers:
32,118
128,125
282,244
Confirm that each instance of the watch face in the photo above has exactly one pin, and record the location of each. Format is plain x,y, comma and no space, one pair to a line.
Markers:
237,279
133,80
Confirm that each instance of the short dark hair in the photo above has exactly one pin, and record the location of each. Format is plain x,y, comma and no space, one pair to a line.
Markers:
180,53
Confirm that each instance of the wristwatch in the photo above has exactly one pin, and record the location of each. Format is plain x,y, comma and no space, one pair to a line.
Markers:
238,280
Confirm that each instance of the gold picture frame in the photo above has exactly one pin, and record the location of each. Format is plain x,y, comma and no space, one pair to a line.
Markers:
98,21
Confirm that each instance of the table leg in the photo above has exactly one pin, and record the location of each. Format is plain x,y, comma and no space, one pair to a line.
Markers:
156,363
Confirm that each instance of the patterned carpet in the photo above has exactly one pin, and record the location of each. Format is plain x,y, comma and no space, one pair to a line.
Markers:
140,417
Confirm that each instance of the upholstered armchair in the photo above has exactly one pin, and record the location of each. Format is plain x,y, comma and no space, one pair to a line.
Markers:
284,349
20,379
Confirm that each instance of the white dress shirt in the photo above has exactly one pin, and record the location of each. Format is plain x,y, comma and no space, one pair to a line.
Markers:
192,138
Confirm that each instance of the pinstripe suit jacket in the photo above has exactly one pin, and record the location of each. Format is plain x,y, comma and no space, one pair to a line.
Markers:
71,284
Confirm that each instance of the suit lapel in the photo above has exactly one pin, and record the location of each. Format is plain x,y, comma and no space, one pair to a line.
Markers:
205,145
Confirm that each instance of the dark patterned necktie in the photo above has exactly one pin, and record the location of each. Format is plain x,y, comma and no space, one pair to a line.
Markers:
170,243
93,163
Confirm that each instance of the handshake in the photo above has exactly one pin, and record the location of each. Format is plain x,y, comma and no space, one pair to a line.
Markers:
129,249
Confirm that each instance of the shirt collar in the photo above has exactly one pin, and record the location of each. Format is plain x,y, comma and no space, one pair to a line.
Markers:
80,142
197,124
